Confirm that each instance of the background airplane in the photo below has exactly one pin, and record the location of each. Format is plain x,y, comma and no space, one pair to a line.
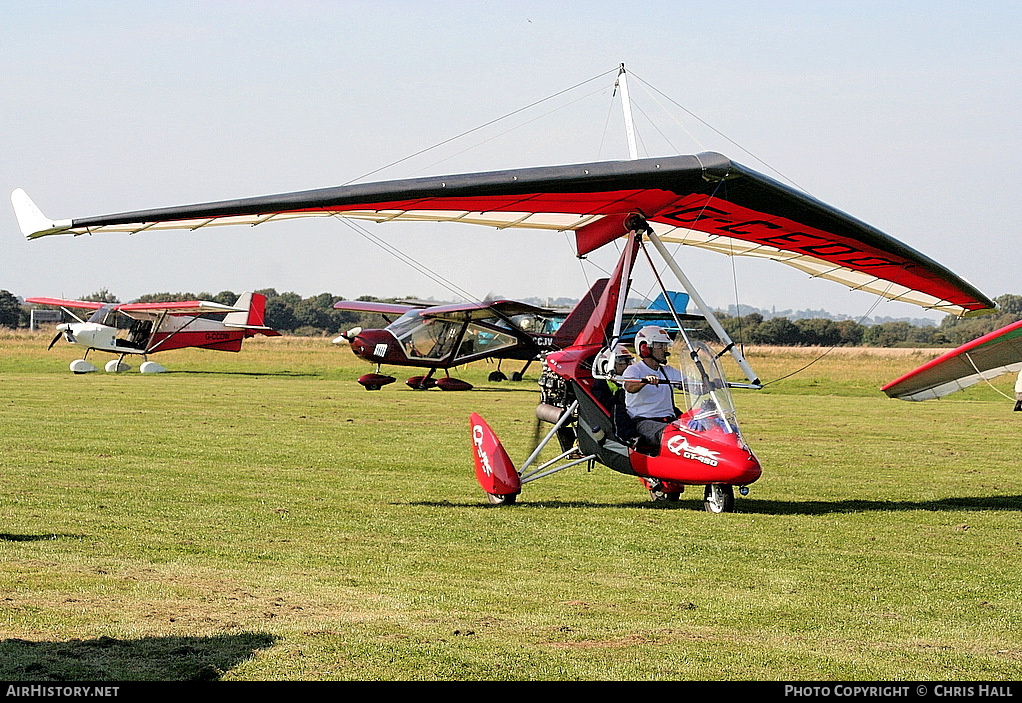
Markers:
445,336
146,328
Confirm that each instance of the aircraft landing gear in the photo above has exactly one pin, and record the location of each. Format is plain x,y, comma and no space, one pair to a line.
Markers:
660,491
375,381
719,498
658,496
116,366
508,499
499,376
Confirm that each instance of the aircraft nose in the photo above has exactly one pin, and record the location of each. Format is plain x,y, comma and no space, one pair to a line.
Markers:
359,347
370,345
63,329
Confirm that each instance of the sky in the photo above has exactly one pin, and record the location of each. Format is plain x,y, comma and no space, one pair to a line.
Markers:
904,115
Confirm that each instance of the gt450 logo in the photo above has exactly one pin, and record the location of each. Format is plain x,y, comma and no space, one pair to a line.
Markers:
477,442
679,445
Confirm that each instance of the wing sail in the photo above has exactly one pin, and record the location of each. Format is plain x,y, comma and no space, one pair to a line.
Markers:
987,357
704,200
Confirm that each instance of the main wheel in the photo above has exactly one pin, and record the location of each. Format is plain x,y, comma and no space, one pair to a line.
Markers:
508,499
719,498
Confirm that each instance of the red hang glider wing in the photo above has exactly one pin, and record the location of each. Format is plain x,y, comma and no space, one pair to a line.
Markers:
703,200
989,356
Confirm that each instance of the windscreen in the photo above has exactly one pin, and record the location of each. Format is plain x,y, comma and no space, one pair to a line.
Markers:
704,398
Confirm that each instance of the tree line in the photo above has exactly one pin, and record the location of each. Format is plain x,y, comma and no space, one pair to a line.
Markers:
290,313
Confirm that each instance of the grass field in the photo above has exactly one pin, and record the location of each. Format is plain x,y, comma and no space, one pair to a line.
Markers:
259,516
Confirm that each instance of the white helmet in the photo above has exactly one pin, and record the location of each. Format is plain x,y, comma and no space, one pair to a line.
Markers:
646,336
603,364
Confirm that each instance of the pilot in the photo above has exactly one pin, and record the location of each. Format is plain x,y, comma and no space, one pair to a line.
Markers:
649,397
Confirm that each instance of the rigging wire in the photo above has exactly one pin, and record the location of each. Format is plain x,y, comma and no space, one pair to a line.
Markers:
482,126
606,128
828,351
986,380
507,131
716,131
404,258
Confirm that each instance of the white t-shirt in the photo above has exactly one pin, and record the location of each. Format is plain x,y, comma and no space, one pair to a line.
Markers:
651,401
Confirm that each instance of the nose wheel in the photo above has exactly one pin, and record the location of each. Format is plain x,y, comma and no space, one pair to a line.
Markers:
719,498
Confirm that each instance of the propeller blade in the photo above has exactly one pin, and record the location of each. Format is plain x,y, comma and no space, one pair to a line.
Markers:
54,340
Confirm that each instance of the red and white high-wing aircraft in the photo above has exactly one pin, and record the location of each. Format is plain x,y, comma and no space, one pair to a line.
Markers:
156,327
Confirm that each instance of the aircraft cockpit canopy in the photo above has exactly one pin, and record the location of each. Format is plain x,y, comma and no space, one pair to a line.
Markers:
105,315
535,323
437,338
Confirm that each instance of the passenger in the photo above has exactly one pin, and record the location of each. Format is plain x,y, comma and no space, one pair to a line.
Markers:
612,395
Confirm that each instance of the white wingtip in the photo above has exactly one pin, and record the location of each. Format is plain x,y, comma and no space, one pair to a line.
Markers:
32,221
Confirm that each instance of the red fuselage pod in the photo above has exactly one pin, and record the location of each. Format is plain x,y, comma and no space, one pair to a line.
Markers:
375,381
702,457
494,470
420,383
453,384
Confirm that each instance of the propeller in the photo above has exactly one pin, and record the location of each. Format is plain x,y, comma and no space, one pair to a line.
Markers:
64,330
348,336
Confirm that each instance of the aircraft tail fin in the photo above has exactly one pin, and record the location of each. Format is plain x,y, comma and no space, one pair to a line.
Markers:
579,315
253,318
